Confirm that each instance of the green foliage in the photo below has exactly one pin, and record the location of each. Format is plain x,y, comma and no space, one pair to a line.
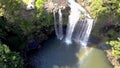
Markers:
10,33
115,47
42,15
10,8
106,8
14,11
9,59
18,26
109,31
107,14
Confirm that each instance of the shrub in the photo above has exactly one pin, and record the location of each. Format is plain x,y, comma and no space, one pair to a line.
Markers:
9,59
107,14
21,25
115,47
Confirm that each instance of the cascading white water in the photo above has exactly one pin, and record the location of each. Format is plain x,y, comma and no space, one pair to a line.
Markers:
86,32
82,31
77,29
85,25
58,26
73,19
55,25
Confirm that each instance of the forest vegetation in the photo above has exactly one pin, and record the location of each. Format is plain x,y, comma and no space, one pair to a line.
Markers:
20,28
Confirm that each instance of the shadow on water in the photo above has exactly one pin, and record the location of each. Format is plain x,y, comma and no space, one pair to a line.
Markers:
56,54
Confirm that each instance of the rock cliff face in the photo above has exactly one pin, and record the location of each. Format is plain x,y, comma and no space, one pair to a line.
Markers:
31,4
54,5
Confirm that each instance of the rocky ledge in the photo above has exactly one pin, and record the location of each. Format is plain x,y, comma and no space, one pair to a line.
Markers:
54,5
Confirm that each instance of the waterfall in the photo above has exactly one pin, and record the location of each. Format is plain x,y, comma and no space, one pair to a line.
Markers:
55,25
73,19
82,31
58,26
86,32
77,28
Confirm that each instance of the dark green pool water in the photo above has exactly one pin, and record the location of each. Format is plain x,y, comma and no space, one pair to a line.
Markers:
56,54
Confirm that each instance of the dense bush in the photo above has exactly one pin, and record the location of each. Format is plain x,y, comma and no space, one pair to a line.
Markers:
9,59
115,47
115,44
106,8
16,14
19,26
107,14
11,35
